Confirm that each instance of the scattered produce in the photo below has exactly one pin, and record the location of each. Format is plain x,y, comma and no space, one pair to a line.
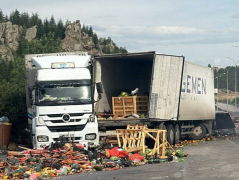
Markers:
68,158
124,94
179,153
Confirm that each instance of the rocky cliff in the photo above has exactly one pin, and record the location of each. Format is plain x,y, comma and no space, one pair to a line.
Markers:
74,40
9,35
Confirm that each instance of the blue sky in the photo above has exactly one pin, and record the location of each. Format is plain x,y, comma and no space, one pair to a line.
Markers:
203,31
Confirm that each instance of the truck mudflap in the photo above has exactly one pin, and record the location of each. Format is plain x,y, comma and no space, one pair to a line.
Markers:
223,121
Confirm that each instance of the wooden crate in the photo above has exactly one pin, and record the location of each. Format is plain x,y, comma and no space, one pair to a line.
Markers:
133,139
141,104
124,106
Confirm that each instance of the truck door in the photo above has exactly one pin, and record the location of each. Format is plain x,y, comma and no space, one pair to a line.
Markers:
165,87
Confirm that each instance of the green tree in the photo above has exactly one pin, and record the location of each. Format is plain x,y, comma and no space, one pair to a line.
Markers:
108,41
95,40
46,26
5,69
52,25
15,17
123,50
25,20
1,16
22,46
12,99
60,30
40,29
34,19
90,32
46,44
83,29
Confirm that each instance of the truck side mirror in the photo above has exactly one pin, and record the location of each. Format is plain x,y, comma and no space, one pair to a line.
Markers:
99,89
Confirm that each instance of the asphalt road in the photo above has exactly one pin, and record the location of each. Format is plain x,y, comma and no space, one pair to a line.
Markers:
226,107
211,160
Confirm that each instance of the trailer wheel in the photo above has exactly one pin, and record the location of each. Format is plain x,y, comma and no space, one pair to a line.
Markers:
177,133
198,132
170,134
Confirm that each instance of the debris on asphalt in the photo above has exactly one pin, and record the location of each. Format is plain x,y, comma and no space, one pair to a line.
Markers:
67,158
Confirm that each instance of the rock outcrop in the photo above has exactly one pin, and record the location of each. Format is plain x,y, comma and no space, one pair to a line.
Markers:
31,33
74,40
9,35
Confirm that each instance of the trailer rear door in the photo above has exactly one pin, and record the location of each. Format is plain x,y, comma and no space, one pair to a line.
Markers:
165,87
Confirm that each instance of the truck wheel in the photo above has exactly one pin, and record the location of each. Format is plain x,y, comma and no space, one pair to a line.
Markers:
170,134
198,132
177,133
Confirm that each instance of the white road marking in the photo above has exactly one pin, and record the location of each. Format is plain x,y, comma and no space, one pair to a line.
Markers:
158,177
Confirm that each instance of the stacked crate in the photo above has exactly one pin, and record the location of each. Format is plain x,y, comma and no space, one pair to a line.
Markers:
124,106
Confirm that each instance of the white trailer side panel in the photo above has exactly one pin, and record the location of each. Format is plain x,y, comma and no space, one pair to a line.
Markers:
197,94
165,87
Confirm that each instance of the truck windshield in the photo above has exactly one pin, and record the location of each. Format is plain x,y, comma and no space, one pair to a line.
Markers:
64,92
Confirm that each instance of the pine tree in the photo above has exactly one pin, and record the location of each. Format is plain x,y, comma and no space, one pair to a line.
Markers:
34,19
90,32
46,26
40,29
95,40
52,25
15,17
25,20
22,47
83,29
1,16
60,30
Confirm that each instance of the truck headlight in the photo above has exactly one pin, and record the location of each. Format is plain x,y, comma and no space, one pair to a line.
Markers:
91,118
42,138
90,136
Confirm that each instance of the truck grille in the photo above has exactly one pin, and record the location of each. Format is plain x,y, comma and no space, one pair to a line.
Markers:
60,115
66,128
61,121
68,138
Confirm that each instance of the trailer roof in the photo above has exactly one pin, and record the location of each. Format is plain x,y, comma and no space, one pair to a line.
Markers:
137,55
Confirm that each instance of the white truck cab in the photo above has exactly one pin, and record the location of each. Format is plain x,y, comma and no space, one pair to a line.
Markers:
60,99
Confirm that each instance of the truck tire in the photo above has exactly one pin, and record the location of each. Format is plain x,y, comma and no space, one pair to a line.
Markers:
170,134
199,132
177,133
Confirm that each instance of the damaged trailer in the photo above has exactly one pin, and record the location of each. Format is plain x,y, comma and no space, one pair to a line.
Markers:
180,94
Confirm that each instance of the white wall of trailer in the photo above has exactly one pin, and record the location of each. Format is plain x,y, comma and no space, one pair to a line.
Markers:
197,93
165,87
